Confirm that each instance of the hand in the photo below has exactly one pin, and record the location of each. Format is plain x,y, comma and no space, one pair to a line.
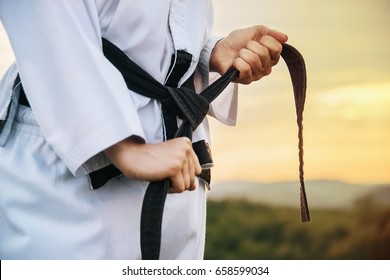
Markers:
252,51
174,159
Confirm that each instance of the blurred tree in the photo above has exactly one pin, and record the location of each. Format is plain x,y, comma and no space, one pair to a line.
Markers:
238,229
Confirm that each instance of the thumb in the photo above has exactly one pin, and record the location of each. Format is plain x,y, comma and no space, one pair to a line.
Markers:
281,37
261,30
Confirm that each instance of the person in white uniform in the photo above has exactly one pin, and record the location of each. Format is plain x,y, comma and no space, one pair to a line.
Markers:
81,117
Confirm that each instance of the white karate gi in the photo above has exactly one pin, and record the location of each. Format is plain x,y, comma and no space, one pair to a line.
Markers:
80,105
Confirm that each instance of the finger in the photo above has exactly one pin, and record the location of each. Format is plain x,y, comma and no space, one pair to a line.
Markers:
195,161
279,36
264,64
186,174
177,184
192,172
197,169
193,186
245,71
253,60
260,30
274,48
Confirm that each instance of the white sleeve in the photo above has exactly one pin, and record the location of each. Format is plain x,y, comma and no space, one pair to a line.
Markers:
224,107
78,98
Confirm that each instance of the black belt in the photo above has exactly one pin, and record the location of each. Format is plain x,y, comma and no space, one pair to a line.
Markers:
297,69
182,102
192,108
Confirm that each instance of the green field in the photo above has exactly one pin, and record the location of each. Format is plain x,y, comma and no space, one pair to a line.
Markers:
242,230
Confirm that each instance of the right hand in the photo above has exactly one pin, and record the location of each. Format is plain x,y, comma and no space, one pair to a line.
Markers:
174,159
253,51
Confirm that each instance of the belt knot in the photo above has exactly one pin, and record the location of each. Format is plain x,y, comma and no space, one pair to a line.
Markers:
187,104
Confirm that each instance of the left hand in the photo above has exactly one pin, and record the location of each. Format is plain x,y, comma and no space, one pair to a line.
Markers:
252,51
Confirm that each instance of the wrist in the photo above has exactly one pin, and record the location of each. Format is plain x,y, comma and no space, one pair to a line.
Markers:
221,58
118,152
213,55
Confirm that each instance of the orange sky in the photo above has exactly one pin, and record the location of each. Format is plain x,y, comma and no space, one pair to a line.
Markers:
347,116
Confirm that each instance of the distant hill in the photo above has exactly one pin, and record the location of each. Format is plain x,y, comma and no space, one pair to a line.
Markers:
320,194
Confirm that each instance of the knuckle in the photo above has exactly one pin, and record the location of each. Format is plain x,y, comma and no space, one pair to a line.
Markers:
250,57
263,51
180,188
254,60
278,48
266,39
187,180
267,71
179,191
187,140
177,184
176,167
186,144
245,69
252,44
246,81
242,52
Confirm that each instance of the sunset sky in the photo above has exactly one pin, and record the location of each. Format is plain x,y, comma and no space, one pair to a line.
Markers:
346,45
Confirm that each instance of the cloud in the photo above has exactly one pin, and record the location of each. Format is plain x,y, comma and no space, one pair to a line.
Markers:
366,104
